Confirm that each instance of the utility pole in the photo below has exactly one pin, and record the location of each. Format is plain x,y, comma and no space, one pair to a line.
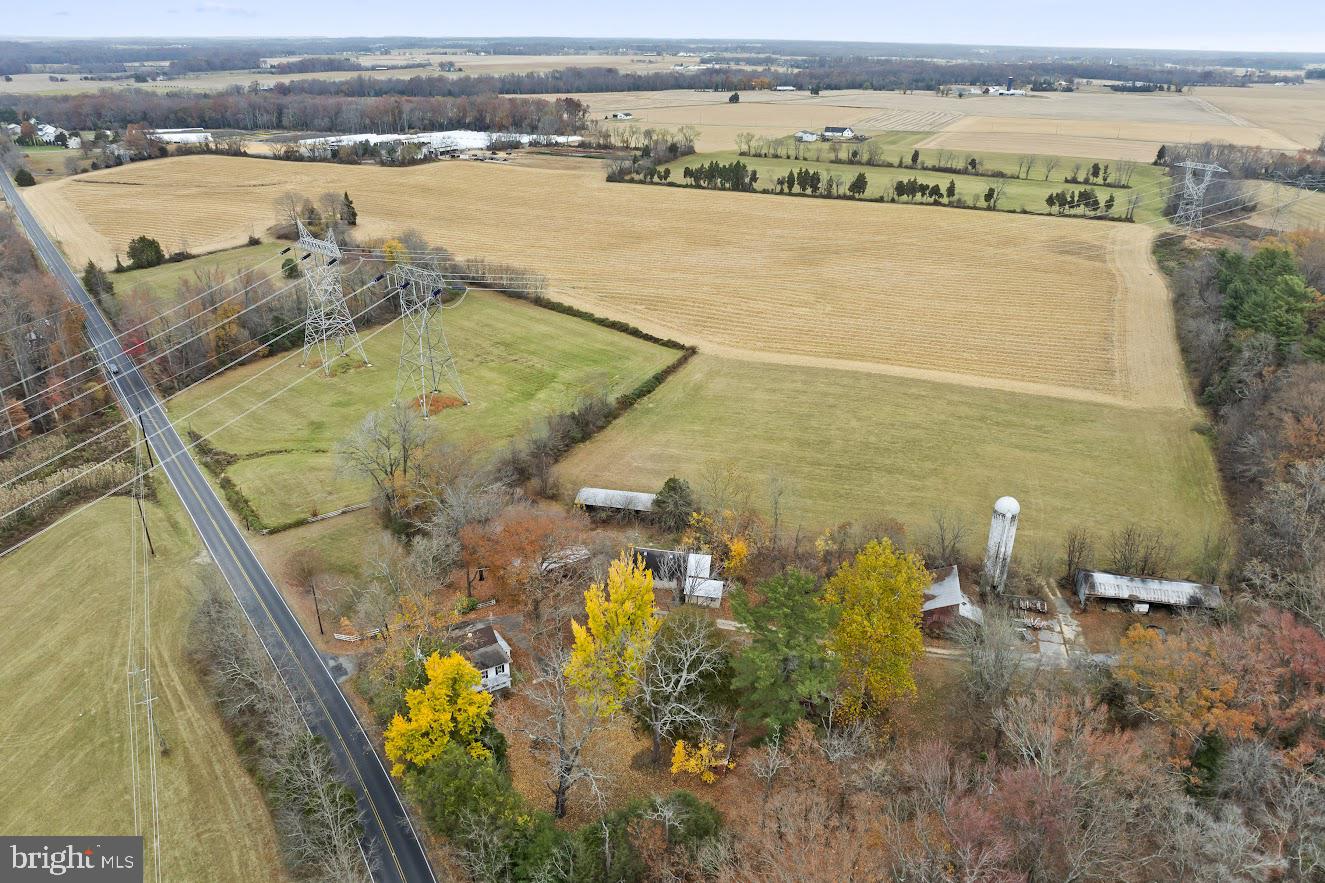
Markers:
312,584
425,355
329,321
138,490
1192,206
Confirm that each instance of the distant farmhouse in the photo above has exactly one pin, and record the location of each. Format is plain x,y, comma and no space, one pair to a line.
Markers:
1140,592
620,115
838,133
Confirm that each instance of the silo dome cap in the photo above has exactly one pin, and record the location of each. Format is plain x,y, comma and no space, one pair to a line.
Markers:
1007,506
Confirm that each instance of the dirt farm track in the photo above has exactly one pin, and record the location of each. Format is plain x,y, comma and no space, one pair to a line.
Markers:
1055,306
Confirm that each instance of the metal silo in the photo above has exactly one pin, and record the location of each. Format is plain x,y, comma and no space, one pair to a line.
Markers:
998,551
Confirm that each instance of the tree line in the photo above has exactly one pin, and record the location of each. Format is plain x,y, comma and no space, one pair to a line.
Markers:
871,153
117,109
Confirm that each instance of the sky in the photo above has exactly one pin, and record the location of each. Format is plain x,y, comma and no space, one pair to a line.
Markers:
1293,25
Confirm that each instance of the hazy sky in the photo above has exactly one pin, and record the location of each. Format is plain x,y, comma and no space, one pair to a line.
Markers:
1289,25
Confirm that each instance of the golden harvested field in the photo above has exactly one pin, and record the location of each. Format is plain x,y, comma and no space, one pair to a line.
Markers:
65,766
1062,307
1102,125
1296,112
1111,138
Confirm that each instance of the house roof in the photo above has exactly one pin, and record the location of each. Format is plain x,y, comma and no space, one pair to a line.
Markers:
484,648
605,498
837,128
1176,593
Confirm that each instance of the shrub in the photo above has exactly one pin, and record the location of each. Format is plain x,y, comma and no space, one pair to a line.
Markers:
144,251
23,178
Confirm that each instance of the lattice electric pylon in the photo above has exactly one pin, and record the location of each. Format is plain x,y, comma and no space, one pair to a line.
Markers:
329,322
425,356
1192,205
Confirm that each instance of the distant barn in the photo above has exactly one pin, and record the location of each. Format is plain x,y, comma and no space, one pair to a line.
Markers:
1105,586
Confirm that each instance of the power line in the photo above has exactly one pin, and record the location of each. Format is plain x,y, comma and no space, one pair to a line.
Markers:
118,454
179,306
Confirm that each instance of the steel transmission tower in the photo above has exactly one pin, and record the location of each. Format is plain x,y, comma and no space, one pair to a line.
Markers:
425,356
329,321
1192,205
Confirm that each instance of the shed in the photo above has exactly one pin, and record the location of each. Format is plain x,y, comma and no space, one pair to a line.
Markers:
488,652
1107,586
666,566
945,602
806,135
613,500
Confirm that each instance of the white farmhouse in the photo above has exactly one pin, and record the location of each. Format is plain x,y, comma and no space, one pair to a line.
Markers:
488,652
805,135
838,132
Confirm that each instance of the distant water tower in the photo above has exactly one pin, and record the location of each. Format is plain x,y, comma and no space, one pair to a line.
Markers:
998,552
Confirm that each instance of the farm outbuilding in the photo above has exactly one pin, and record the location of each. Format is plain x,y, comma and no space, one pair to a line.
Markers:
605,499
806,135
1106,586
945,602
670,567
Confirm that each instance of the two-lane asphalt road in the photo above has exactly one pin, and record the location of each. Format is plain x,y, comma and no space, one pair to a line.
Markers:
389,841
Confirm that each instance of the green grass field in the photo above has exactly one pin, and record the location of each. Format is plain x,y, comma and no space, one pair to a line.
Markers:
65,766
1020,193
161,283
858,446
518,363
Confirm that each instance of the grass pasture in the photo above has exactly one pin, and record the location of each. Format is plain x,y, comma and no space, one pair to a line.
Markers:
518,363
1020,194
65,766
856,446
161,283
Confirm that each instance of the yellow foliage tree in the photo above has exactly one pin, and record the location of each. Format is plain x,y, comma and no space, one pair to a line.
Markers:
448,708
393,250
619,627
877,599
705,761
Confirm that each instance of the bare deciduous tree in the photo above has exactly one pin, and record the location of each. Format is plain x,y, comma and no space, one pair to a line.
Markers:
666,697
384,449
561,728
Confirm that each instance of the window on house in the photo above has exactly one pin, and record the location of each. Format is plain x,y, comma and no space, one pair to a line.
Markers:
499,669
